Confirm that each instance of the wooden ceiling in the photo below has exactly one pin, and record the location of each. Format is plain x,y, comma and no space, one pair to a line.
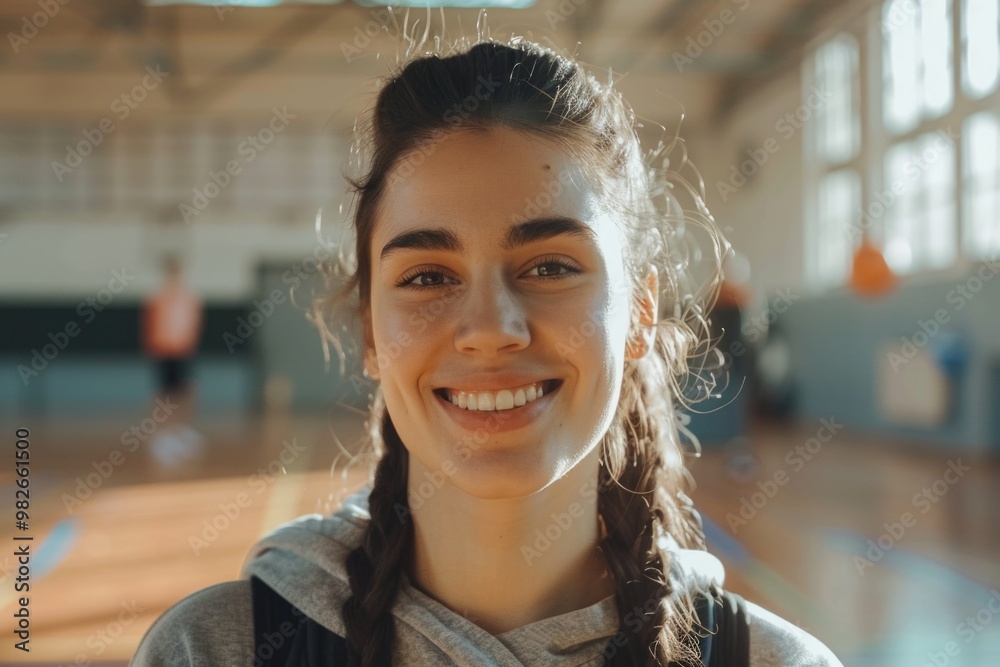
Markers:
226,62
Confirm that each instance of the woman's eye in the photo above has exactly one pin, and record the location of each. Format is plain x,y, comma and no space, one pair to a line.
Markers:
419,280
550,269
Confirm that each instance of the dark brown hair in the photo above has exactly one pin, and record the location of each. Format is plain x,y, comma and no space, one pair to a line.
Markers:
642,479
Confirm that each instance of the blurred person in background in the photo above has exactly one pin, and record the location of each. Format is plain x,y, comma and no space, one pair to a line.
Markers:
730,329
171,330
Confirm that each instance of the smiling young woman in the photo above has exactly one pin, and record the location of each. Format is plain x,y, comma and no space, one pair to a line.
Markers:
527,500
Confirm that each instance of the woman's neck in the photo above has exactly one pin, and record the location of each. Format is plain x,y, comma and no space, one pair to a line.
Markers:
506,563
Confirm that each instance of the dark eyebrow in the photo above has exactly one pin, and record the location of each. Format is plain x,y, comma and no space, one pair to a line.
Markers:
517,235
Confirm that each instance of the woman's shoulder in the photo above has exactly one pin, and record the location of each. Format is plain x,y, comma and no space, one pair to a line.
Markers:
210,627
775,641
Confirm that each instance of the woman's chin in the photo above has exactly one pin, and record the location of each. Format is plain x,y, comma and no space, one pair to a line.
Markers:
493,480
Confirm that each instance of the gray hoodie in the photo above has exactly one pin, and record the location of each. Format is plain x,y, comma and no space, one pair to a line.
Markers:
303,560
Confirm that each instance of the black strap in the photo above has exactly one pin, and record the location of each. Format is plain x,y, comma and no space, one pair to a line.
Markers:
726,617
285,637
723,638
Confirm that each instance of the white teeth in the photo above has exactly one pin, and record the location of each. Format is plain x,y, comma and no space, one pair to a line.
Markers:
505,399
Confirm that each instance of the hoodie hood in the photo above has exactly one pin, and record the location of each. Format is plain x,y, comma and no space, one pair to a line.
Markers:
304,561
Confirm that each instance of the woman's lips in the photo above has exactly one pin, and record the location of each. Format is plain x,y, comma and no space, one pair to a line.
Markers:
500,421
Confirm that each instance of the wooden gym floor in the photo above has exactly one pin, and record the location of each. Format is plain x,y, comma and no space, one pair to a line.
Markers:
790,517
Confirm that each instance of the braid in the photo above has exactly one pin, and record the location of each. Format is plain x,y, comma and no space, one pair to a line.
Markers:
637,512
375,566
627,542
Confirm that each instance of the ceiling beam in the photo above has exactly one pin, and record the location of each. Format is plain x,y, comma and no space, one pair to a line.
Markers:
780,50
663,26
670,20
257,58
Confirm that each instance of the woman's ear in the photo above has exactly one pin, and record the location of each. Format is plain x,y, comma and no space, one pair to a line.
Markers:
641,342
371,364
371,357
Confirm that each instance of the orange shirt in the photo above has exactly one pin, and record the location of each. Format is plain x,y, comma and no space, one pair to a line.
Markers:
731,295
172,321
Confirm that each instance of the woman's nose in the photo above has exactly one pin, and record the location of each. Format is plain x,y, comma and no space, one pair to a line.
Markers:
492,319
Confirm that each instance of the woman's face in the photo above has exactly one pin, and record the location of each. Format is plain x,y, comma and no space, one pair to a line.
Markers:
495,266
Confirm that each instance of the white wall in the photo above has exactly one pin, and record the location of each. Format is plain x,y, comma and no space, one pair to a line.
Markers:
57,259
763,217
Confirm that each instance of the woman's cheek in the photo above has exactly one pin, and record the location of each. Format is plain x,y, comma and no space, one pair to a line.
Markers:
418,323
398,341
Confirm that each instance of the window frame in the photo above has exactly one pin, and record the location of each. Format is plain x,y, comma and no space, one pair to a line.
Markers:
876,140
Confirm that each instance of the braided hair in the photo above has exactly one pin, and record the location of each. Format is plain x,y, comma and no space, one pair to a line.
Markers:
642,476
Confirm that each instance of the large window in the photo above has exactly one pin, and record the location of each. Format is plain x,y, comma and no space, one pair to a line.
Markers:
920,210
839,195
981,220
980,47
838,131
918,165
917,61
834,145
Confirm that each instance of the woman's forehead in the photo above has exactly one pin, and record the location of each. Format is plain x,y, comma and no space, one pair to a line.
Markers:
495,178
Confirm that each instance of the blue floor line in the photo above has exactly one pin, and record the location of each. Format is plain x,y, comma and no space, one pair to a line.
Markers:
902,559
726,545
55,547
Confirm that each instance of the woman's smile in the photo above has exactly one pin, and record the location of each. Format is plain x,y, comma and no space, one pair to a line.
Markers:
496,420
503,399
